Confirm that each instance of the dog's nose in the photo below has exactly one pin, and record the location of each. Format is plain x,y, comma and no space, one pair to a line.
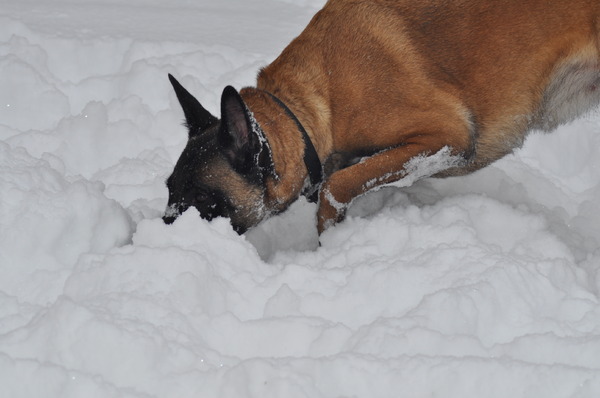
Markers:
168,219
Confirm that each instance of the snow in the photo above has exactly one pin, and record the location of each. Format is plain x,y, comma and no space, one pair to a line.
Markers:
480,286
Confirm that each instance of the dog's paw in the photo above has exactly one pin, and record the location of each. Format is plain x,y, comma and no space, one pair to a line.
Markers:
331,211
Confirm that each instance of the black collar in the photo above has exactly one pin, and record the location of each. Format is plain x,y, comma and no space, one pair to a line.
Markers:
311,158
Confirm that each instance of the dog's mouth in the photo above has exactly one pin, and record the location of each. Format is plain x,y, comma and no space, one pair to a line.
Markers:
239,229
173,211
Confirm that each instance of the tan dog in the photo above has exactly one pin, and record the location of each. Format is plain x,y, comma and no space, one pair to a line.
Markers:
373,89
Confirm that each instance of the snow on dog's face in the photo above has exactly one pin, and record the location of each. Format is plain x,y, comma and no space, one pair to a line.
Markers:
223,166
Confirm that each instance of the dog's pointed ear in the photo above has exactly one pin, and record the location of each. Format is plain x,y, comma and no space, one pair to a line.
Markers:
241,138
197,119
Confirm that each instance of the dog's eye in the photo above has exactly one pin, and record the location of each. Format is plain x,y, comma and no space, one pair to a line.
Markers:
202,196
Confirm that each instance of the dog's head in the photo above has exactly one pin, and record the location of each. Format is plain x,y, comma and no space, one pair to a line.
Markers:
223,167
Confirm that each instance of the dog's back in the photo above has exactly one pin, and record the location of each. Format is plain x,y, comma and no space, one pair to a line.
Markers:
508,65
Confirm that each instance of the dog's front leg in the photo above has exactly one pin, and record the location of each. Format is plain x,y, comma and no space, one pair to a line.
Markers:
411,161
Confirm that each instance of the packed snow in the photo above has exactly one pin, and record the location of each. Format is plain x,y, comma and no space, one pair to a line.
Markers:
480,286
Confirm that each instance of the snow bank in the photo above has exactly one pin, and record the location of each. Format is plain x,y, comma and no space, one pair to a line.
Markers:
481,286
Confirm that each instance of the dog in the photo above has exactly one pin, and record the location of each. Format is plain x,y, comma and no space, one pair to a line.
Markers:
372,90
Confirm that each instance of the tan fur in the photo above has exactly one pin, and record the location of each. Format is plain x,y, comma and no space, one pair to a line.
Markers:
288,153
395,79
242,194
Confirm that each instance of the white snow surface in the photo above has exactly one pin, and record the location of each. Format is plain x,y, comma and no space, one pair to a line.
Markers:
481,286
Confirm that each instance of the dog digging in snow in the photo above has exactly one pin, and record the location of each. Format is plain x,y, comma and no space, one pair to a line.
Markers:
375,92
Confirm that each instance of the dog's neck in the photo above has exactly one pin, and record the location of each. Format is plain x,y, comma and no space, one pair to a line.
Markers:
312,162
304,92
288,135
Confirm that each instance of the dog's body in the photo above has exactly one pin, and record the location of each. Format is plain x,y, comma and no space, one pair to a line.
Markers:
388,81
